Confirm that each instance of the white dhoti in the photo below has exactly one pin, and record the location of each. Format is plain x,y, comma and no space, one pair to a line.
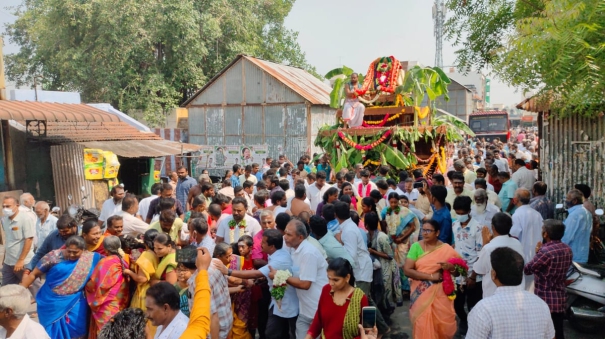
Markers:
352,112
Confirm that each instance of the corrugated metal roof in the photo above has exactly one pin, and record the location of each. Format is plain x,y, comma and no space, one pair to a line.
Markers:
142,148
299,80
27,110
94,131
494,112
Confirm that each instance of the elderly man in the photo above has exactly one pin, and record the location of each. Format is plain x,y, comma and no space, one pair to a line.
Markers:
469,176
26,205
527,227
492,197
113,205
267,221
540,202
45,222
578,226
309,274
133,226
162,303
483,211
19,230
523,177
15,300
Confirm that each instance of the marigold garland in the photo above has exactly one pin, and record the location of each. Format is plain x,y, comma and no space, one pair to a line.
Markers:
442,161
422,112
380,123
369,161
365,147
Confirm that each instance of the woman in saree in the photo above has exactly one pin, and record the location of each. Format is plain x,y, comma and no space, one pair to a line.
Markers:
380,247
62,307
244,307
107,290
401,223
91,232
339,310
347,189
431,311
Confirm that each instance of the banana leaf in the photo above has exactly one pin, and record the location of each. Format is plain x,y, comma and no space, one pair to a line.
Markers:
355,157
336,94
393,158
442,75
344,70
342,163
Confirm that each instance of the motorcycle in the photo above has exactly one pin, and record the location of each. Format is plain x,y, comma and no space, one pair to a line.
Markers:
78,212
586,295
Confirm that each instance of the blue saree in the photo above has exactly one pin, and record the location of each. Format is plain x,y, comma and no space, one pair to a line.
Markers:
62,307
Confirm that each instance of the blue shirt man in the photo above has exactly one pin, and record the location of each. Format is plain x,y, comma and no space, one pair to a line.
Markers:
578,227
66,227
444,218
183,185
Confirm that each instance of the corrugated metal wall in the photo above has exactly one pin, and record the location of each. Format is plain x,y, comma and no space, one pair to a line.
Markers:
320,115
68,175
573,152
172,162
248,106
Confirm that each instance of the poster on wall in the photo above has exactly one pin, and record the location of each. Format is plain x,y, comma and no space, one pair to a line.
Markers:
217,159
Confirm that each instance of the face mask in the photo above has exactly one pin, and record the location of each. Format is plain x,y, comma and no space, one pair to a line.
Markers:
463,218
8,212
481,208
568,203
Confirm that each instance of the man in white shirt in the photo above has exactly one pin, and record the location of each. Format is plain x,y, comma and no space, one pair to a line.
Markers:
363,188
358,169
156,189
15,300
501,225
492,197
468,241
411,192
45,222
163,310
248,176
523,177
483,211
113,205
239,223
502,164
26,206
309,274
133,226
527,227
315,191
510,312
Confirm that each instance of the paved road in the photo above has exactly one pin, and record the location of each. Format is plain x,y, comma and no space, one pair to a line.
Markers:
402,329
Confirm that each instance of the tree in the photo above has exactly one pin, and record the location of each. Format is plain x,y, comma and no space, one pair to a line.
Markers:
145,56
554,47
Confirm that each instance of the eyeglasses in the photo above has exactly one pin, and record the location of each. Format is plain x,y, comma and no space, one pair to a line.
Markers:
424,230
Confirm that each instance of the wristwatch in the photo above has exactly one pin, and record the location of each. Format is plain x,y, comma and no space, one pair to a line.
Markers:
229,272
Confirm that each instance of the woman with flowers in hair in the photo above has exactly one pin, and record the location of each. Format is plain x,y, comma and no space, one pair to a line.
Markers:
107,290
431,310
401,223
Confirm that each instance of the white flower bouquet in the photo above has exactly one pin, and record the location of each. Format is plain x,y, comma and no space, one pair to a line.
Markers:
279,286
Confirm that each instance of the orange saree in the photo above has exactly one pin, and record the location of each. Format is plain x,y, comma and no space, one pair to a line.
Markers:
431,312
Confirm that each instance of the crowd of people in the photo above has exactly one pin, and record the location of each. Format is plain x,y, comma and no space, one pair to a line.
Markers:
196,261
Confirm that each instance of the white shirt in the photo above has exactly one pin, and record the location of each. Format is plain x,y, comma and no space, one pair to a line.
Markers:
309,265
364,189
32,215
42,230
27,329
133,226
510,313
527,227
490,187
412,196
110,208
252,178
494,198
144,205
358,249
177,326
315,195
502,165
208,242
223,231
468,243
282,260
524,178
485,218
317,245
483,265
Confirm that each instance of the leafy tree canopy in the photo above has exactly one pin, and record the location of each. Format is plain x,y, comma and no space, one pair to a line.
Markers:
553,47
144,56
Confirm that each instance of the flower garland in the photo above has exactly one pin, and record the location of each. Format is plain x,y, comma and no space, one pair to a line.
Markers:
442,161
393,220
422,112
232,224
382,122
428,167
368,189
366,147
279,286
448,283
370,161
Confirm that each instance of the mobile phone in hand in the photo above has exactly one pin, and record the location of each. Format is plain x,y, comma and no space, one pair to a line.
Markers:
368,317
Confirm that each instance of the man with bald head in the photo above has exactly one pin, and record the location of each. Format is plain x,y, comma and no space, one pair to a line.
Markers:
45,222
527,227
26,206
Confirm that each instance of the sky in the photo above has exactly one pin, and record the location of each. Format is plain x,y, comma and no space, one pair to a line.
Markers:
333,33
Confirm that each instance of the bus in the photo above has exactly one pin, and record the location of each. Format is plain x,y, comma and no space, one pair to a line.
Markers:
490,125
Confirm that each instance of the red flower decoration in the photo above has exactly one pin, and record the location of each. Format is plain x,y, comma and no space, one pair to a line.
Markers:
449,288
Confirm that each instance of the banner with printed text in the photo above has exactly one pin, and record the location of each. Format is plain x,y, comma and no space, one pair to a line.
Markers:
218,159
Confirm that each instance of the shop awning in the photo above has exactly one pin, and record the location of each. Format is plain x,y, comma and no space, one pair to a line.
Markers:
142,148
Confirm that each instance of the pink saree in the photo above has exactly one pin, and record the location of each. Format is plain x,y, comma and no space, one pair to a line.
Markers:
431,312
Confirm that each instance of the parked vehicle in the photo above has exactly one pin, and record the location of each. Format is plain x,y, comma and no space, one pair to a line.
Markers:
79,212
586,298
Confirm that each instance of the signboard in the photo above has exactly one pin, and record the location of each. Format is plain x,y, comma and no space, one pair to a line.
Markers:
99,164
224,157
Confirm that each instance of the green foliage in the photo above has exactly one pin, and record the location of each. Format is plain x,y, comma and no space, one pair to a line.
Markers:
421,81
144,56
552,47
